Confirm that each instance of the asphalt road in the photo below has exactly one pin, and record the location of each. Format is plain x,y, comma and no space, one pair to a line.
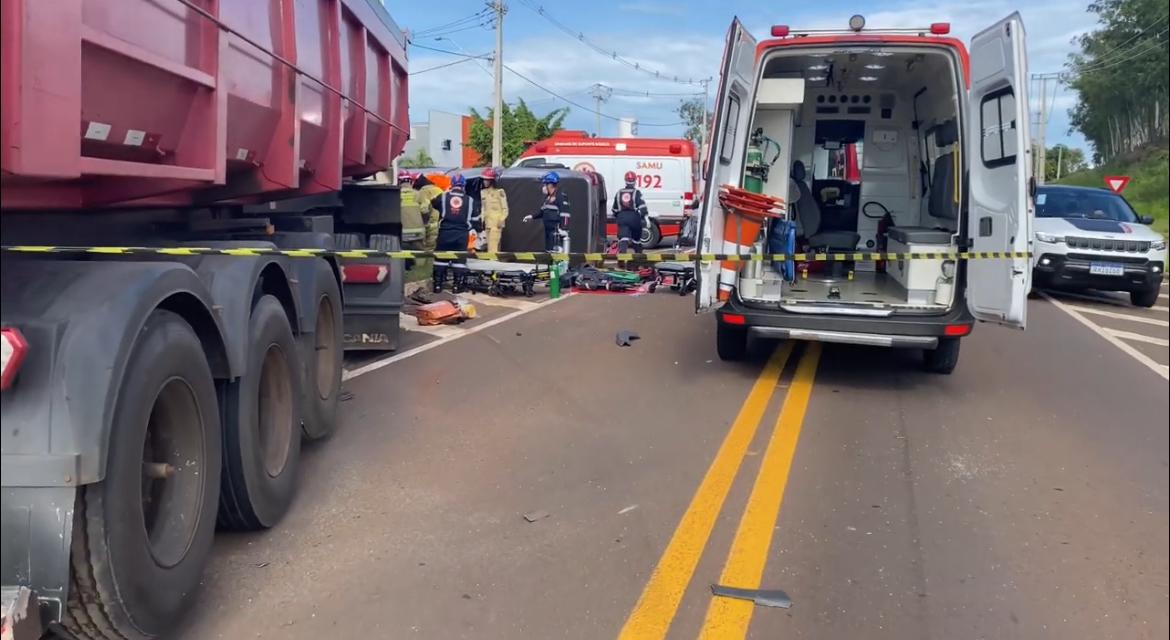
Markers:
1025,496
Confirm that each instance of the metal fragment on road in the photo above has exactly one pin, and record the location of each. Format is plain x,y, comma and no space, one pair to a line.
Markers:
760,597
627,510
533,516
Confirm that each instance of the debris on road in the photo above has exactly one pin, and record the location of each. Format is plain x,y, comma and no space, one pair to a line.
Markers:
533,516
627,510
441,312
345,395
761,597
625,338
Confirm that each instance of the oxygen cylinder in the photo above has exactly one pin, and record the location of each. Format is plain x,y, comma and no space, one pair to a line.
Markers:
753,162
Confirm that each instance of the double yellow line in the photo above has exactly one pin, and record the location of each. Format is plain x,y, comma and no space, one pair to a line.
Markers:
656,608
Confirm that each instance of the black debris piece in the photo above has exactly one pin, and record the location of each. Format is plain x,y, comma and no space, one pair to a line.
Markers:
625,338
761,597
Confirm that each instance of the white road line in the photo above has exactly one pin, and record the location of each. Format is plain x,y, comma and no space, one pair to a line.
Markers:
1163,296
1110,314
350,374
1137,337
1157,368
1102,299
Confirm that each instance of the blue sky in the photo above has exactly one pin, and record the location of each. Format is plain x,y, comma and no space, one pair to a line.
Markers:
680,37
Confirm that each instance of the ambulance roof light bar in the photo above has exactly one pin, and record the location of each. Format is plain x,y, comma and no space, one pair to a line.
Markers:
857,25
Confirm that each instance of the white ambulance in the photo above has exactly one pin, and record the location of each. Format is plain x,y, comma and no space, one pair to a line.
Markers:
940,133
665,168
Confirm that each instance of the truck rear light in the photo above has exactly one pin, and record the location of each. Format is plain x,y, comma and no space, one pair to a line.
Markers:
688,197
13,348
957,330
940,28
734,318
364,273
779,31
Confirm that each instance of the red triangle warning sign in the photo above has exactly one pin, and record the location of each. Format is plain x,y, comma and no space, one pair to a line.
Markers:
1116,184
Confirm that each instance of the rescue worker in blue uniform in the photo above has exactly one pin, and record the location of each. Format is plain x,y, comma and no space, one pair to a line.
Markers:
629,209
457,216
554,212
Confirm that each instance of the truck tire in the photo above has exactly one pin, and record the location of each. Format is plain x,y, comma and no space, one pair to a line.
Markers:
345,241
262,425
651,235
1146,297
943,358
323,362
141,536
730,342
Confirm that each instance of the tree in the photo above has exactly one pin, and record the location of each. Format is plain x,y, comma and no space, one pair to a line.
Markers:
420,159
1071,160
691,113
521,126
1120,74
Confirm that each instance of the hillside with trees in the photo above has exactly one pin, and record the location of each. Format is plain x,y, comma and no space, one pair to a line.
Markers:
1120,74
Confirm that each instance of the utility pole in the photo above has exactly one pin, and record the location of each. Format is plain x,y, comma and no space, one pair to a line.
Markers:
1059,159
600,93
703,123
497,112
1041,130
1042,126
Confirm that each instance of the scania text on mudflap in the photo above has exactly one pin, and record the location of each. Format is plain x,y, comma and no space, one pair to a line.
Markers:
869,140
150,397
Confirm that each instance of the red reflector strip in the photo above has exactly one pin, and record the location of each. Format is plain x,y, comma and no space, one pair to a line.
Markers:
734,318
13,347
364,273
957,330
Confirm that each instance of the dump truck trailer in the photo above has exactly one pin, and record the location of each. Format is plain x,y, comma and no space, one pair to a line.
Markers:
177,176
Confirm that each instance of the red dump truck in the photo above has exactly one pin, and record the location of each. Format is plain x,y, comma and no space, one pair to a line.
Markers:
162,387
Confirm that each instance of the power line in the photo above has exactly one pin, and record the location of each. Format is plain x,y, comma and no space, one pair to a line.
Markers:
1116,53
479,25
1136,52
441,66
422,33
653,94
580,37
581,106
1120,47
451,53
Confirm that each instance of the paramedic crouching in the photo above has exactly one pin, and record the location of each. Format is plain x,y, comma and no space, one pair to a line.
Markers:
457,213
554,212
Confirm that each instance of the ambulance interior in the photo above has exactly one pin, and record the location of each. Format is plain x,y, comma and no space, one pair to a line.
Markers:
849,137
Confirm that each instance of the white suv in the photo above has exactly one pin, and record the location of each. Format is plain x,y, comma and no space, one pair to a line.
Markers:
1091,239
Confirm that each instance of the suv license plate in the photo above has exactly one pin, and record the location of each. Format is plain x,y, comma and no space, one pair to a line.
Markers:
1106,269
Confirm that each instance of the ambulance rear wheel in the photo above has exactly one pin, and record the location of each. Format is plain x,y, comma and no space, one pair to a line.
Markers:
730,342
943,358
651,235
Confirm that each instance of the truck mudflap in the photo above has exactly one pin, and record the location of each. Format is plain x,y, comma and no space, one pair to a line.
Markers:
37,529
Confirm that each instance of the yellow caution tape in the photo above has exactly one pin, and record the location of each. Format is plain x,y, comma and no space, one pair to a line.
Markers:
524,256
